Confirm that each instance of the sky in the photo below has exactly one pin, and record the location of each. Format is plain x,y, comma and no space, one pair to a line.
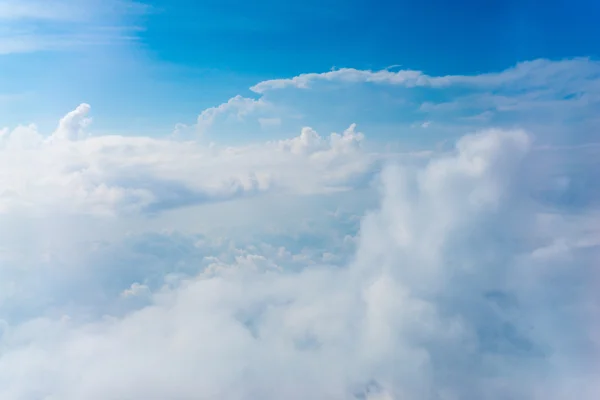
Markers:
147,67
367,200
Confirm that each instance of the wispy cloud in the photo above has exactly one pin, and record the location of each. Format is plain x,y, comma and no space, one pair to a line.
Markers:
54,10
535,73
31,25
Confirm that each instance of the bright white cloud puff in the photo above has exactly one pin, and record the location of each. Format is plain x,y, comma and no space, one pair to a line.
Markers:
71,171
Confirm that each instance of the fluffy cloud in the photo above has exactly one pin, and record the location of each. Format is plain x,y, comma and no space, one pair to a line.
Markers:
265,270
462,286
109,174
238,106
71,126
557,101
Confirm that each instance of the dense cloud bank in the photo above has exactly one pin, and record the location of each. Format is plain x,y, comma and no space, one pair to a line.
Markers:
461,284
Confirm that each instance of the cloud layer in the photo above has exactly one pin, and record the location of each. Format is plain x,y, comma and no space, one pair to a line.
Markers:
461,286
307,265
116,174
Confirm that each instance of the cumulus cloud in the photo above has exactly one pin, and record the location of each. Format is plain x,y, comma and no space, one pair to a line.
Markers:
556,99
265,270
71,126
118,174
238,106
450,295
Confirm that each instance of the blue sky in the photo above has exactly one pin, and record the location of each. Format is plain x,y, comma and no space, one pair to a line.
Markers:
346,200
275,38
149,67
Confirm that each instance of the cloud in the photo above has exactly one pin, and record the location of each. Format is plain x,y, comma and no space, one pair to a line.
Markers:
349,75
555,100
531,73
33,25
51,10
66,10
449,295
269,122
136,289
238,106
71,126
118,174
309,142
271,269
423,125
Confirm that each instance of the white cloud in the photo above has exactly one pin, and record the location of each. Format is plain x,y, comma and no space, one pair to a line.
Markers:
269,122
446,297
238,106
33,25
72,125
473,278
531,73
350,75
554,100
22,137
309,142
136,289
106,174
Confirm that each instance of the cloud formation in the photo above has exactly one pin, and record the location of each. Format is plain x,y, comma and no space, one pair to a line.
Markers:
555,100
473,277
71,170
531,73
461,286
72,125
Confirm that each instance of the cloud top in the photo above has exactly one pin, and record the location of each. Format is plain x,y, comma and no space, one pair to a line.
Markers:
70,170
449,296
